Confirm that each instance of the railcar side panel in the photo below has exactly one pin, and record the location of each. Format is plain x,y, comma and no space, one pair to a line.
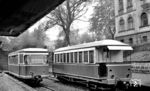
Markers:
84,70
14,69
119,70
23,70
37,70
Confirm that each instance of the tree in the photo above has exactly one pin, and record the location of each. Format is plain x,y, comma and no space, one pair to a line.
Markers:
39,36
103,21
86,37
66,14
74,37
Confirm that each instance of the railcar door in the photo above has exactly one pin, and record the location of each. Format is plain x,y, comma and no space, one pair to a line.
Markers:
22,65
106,57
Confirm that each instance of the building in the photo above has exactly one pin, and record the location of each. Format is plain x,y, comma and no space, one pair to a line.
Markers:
132,18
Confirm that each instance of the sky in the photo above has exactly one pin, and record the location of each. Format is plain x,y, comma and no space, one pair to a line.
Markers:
83,26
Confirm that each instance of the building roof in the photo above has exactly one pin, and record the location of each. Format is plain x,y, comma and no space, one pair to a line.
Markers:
18,15
107,42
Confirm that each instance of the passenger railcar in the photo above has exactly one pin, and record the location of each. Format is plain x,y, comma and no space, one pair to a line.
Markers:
29,64
95,63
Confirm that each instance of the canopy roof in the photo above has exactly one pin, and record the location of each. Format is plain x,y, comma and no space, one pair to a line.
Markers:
18,15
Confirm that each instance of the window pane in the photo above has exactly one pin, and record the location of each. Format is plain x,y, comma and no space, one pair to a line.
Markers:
37,59
68,57
144,19
58,58
13,59
144,38
55,59
64,58
80,57
75,57
61,59
21,58
71,57
86,56
91,56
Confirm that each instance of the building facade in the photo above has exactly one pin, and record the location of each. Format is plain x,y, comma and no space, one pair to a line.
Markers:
132,18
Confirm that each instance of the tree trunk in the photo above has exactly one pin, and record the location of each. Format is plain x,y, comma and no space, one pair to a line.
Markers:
67,38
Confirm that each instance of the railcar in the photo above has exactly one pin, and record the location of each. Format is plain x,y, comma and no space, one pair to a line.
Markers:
29,64
98,63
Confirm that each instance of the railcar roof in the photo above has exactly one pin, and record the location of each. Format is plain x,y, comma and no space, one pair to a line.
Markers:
34,49
107,42
30,50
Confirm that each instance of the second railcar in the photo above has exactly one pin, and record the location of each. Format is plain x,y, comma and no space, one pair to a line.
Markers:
91,63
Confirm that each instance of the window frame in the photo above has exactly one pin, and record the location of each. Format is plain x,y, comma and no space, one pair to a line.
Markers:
144,19
129,4
121,25
86,57
130,22
121,6
80,57
90,56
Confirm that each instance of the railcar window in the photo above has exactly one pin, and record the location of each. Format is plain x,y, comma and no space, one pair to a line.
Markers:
13,59
85,56
36,59
21,58
71,55
64,58
68,58
75,57
91,56
55,59
80,57
61,58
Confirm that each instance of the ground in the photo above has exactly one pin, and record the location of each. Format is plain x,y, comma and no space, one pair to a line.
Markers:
8,84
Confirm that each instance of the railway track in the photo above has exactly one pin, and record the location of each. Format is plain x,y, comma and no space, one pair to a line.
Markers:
52,84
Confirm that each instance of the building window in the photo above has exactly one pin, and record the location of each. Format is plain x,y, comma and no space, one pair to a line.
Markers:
120,5
130,40
144,19
130,23
144,38
129,4
122,26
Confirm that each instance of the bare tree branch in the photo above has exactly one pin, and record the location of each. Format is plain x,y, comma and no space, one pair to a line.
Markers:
65,14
